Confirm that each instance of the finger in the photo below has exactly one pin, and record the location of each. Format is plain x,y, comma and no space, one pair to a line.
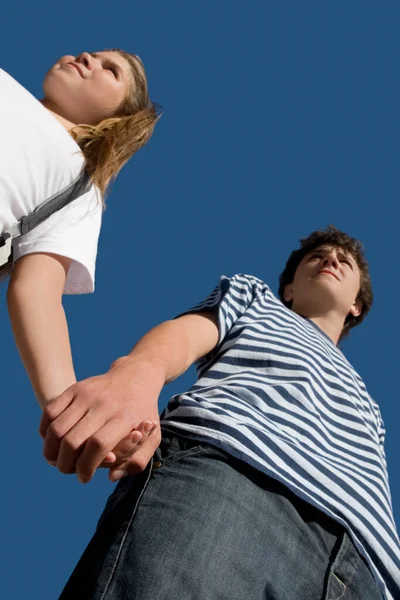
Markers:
110,459
126,447
59,428
124,450
99,444
139,460
54,408
73,443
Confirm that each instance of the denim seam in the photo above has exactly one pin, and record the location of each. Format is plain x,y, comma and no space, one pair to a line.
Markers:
190,452
111,503
341,583
341,551
126,531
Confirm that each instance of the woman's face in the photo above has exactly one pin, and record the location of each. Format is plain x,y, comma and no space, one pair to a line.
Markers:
88,88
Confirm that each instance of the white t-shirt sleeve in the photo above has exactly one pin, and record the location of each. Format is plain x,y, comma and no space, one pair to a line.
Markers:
72,232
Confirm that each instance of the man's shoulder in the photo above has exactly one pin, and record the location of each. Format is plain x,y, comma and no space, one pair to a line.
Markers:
246,279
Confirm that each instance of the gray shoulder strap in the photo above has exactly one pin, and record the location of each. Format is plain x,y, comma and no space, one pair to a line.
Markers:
77,188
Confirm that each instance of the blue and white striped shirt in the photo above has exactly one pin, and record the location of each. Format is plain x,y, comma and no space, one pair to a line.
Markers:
278,394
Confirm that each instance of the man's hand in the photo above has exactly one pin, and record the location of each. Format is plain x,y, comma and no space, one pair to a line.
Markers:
87,421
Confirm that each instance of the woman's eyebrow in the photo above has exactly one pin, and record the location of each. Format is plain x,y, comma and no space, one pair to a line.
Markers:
108,60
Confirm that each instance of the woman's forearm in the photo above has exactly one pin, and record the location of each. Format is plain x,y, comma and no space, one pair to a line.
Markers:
40,326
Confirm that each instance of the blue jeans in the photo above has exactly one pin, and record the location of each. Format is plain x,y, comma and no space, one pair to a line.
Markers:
200,525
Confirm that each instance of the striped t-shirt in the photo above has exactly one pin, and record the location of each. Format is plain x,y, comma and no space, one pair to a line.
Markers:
278,394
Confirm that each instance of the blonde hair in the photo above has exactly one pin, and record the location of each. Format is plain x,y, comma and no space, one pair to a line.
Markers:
107,146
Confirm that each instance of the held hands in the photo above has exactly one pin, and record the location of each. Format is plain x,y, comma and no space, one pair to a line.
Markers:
109,420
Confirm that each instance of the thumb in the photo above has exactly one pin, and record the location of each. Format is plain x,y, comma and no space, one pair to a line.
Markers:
139,460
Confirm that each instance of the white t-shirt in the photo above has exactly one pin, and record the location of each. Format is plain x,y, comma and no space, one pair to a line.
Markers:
38,158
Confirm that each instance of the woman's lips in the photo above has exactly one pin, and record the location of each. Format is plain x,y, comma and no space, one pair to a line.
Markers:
77,67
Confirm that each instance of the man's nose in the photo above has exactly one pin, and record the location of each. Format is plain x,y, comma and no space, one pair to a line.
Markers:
330,260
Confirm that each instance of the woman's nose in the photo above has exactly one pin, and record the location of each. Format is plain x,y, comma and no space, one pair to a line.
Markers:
86,59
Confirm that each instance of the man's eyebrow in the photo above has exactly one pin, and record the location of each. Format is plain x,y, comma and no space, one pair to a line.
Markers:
340,252
319,249
347,255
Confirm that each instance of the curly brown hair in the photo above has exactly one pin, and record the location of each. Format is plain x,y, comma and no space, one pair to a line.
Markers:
331,236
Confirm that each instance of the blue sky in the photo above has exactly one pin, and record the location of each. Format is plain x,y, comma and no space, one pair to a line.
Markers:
279,118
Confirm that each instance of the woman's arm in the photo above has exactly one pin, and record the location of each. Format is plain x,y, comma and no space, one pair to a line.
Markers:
38,320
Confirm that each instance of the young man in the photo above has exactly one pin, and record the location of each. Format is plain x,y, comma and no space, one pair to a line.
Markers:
270,481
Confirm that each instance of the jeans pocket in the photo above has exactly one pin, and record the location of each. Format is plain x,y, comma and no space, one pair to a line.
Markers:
336,587
173,448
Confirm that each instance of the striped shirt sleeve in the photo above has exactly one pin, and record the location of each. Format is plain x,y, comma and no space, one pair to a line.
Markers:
230,298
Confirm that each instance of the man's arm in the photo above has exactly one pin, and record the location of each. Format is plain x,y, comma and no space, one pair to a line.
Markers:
96,414
38,320
41,332
175,345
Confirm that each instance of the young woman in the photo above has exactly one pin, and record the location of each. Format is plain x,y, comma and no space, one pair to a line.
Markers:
95,115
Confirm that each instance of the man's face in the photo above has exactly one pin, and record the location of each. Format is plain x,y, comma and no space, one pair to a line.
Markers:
327,279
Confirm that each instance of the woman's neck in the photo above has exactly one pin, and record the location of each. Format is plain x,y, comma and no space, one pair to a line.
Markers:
68,125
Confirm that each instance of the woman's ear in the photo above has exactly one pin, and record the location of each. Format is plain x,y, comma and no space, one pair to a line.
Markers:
356,308
288,293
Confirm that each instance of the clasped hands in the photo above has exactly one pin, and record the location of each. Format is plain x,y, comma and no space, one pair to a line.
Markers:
110,420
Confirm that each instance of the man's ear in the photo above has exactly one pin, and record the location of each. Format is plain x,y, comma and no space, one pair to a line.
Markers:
356,309
288,293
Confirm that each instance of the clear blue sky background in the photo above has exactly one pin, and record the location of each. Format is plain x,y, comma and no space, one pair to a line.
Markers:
279,118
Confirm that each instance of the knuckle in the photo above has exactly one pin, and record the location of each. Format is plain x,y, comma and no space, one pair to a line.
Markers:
56,430
50,412
71,443
98,443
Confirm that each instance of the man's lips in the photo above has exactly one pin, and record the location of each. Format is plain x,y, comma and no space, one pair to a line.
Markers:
328,273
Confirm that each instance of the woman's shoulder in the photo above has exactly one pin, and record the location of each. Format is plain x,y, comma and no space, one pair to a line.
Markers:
17,103
12,92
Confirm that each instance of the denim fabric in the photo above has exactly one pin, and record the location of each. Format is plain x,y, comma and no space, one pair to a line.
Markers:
199,525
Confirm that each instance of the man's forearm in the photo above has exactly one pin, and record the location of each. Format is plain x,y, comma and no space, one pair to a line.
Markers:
41,334
173,346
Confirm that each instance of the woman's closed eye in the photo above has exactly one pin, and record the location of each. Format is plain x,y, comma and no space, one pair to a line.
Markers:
113,69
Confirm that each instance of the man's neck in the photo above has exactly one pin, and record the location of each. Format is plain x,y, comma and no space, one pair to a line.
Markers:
330,324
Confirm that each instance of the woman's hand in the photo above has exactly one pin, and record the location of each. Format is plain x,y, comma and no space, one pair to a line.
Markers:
129,446
131,460
91,418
